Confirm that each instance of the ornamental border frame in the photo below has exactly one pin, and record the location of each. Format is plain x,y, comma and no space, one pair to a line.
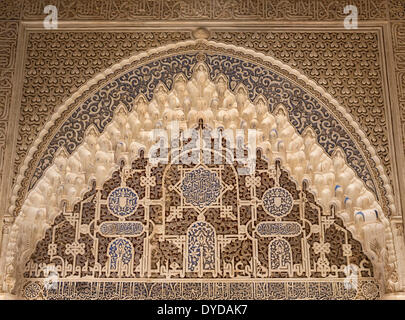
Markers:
126,62
387,65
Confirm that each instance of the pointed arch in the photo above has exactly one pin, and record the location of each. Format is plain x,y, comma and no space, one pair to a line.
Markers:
120,254
190,98
280,255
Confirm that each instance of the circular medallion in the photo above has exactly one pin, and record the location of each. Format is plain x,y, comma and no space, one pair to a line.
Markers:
122,201
277,202
370,290
201,187
32,290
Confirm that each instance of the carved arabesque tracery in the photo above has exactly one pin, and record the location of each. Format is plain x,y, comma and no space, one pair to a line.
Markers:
206,10
329,178
333,122
232,233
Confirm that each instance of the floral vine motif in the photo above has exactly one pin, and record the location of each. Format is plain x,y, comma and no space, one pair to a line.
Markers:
8,38
201,187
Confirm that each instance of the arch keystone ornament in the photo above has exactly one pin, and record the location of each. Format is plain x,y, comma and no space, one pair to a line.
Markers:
292,205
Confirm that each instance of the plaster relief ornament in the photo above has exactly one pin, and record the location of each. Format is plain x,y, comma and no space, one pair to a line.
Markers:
201,187
244,235
120,252
277,202
122,202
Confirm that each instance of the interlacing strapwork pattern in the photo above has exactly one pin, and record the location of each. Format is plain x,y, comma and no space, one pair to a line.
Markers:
338,61
347,65
226,102
261,226
142,218
55,66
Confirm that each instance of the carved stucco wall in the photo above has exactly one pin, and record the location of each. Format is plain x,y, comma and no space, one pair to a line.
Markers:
224,103
349,65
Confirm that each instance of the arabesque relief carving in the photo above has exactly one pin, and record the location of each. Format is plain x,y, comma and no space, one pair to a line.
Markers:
328,58
334,71
398,31
346,64
8,39
109,177
101,111
257,10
